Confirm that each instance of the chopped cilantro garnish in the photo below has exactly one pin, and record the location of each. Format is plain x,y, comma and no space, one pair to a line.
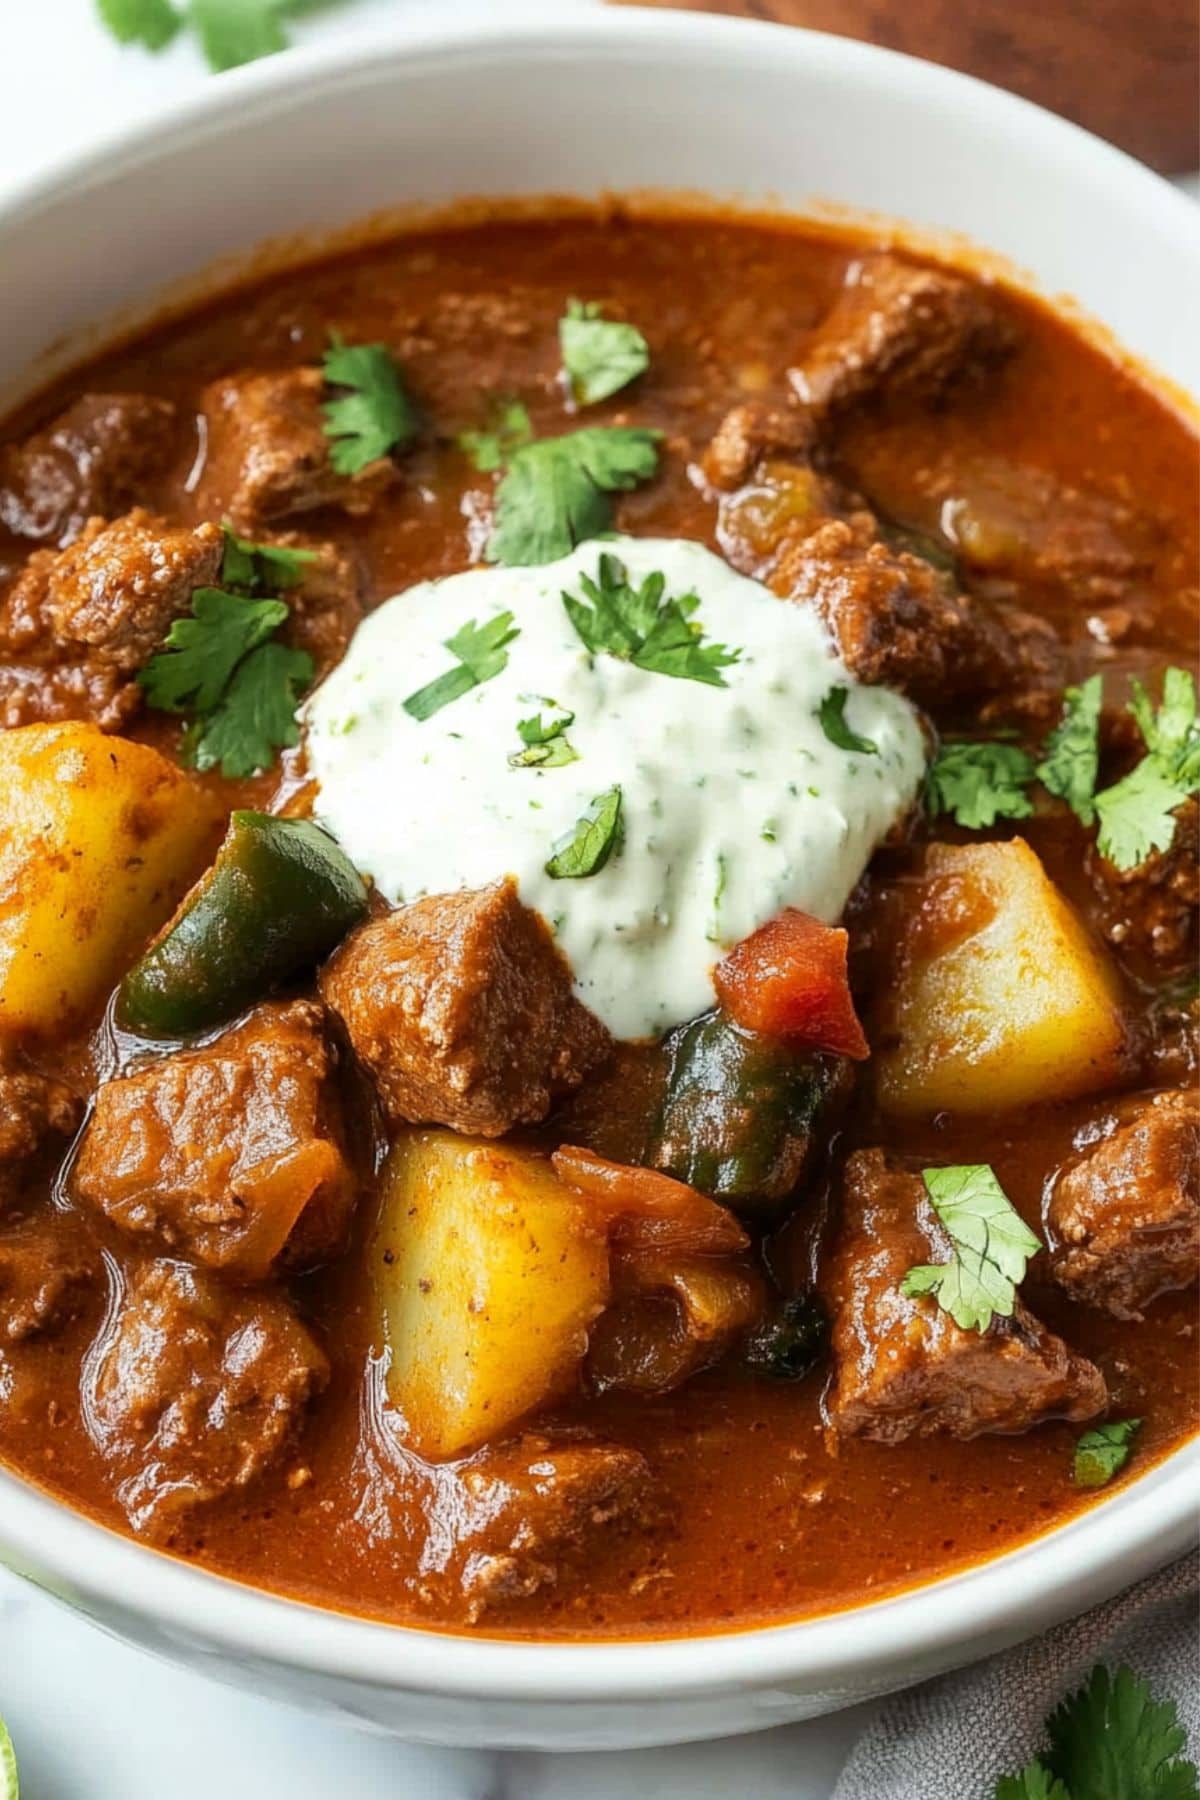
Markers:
642,626
979,783
545,741
990,1244
481,653
256,715
1072,751
257,567
1109,1741
507,430
201,653
152,23
832,714
9,1781
1137,814
376,416
599,355
1103,1452
591,841
555,492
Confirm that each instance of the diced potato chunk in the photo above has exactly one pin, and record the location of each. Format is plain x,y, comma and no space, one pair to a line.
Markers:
489,1272
99,837
1001,996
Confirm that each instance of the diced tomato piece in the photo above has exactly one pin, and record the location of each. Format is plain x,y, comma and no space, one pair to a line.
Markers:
788,980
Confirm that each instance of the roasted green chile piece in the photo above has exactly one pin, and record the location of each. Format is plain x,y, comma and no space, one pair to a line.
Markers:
742,1116
279,897
790,1340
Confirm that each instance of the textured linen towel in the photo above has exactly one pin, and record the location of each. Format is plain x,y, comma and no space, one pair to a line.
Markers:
953,1738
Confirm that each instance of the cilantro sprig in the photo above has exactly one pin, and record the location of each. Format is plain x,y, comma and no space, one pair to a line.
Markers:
981,782
222,665
591,840
555,492
832,715
546,743
507,430
230,32
600,356
645,626
1109,1741
990,1247
374,415
1103,1452
480,652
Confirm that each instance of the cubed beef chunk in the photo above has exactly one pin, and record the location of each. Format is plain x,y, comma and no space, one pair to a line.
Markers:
96,458
33,1109
749,435
326,605
897,334
197,1389
531,1509
1151,910
903,1367
1124,1219
231,1153
460,1006
85,619
45,1276
269,455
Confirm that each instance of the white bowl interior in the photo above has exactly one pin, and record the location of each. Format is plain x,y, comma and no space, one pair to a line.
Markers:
592,102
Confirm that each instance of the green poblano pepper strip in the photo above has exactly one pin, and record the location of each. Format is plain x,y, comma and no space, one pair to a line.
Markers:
279,897
742,1115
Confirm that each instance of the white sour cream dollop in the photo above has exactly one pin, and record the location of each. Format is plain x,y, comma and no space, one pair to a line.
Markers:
735,803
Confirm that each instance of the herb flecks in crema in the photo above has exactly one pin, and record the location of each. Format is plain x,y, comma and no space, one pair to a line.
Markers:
481,653
545,742
832,714
591,841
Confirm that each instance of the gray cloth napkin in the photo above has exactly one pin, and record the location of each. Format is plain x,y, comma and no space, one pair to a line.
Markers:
953,1738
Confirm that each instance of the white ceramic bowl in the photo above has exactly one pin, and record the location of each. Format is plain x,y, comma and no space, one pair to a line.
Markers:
619,101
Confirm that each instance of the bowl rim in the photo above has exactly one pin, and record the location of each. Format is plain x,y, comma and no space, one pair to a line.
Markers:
898,1638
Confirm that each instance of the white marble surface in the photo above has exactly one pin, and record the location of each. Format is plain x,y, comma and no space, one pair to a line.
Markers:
92,1719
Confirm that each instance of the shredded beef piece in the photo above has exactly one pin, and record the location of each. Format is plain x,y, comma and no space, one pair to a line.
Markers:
44,1279
1125,1217
231,1153
1152,909
85,619
269,455
903,1367
197,1389
900,335
460,1007
534,1507
32,1109
96,458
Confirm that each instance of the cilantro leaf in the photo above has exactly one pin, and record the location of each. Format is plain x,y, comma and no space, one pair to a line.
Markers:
152,23
1071,755
1103,1452
258,566
256,715
556,490
990,1243
600,356
1033,1783
481,653
979,783
591,841
1137,814
1169,732
642,626
376,416
832,714
201,653
1111,1741
546,743
233,32
507,430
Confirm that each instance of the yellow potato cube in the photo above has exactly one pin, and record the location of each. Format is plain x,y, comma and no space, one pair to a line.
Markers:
99,837
489,1273
1001,995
